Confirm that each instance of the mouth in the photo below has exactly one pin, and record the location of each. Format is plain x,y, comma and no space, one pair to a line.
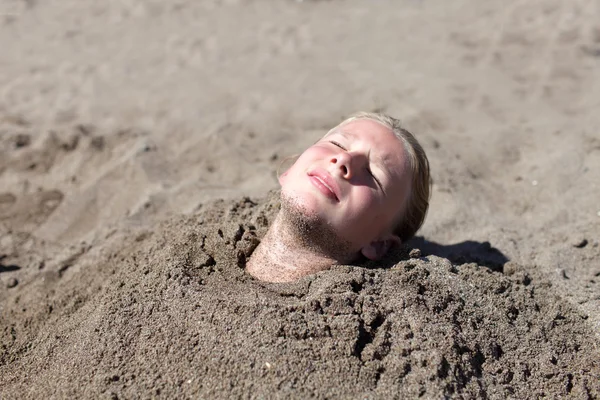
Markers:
325,184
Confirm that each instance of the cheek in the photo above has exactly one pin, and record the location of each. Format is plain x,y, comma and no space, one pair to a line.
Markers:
303,163
369,207
283,177
366,200
292,173
364,209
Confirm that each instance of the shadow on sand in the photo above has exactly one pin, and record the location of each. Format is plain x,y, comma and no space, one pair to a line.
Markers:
482,253
7,268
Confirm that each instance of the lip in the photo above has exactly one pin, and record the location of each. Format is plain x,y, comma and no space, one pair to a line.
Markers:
325,183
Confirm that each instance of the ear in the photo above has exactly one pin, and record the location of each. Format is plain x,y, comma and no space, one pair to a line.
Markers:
379,248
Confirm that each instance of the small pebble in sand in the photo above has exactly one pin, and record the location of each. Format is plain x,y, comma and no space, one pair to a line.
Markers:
510,268
70,142
12,282
534,183
579,242
97,143
415,253
146,147
22,140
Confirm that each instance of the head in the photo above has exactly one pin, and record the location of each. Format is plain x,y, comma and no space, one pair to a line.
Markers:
367,180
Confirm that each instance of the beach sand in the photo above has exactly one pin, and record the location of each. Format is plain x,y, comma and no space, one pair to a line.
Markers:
139,150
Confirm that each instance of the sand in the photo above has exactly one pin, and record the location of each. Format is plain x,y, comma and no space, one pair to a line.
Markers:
139,149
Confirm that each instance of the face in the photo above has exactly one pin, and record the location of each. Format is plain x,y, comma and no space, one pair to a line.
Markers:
356,179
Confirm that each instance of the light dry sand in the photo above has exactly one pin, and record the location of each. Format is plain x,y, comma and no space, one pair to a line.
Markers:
131,132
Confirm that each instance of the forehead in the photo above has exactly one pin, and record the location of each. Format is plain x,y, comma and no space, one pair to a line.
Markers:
364,127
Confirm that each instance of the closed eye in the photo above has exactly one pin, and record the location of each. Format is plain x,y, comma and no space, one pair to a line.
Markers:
337,144
376,180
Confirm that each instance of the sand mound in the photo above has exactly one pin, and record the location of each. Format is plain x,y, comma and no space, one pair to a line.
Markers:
121,121
171,312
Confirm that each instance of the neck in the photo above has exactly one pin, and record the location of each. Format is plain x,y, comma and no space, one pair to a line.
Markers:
285,255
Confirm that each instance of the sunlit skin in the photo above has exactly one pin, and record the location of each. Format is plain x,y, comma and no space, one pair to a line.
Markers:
352,185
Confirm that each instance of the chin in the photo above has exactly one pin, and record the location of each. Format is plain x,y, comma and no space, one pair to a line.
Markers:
304,202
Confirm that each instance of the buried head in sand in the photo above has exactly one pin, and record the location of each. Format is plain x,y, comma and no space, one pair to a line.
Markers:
358,191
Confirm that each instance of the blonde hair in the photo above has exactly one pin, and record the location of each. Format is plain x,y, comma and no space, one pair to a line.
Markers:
418,201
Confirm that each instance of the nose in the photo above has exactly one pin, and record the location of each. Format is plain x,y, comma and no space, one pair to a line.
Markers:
347,163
